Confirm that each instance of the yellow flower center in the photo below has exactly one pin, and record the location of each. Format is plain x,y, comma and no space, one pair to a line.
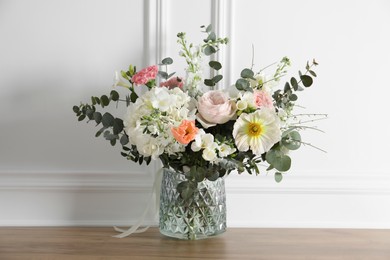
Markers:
254,129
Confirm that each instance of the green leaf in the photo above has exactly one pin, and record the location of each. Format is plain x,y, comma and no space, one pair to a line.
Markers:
287,87
97,116
124,140
101,130
113,142
215,65
292,140
114,95
307,81
117,126
284,164
93,100
278,160
313,73
209,50
209,28
170,75
212,37
209,82
107,120
247,73
294,83
242,84
167,61
163,74
81,118
97,100
186,189
293,97
104,100
217,78
76,109
199,174
278,177
133,97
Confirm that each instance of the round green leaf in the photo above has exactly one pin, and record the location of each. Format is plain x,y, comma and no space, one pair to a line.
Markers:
215,65
247,73
114,95
242,84
76,109
293,97
217,78
307,81
278,177
107,120
104,100
294,83
209,50
167,61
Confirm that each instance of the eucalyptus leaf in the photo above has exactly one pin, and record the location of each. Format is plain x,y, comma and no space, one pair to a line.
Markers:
124,140
217,78
242,84
97,116
294,83
247,73
81,118
76,109
186,189
212,37
209,82
167,61
209,50
215,65
307,81
107,119
278,177
117,126
114,95
293,97
104,100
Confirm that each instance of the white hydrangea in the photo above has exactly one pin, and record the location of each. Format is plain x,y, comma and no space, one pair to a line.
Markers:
149,120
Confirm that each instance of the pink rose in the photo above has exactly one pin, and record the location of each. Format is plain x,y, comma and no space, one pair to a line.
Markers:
172,83
214,107
262,99
145,75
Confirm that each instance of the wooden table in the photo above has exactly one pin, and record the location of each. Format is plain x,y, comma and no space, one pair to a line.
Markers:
236,243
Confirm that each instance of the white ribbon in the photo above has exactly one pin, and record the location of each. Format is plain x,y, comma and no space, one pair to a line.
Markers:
155,197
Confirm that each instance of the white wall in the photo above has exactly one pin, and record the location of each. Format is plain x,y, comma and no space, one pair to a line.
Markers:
53,171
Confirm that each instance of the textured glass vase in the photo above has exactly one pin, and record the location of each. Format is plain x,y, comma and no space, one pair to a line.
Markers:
201,216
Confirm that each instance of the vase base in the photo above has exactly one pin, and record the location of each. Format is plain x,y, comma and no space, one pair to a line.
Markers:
182,236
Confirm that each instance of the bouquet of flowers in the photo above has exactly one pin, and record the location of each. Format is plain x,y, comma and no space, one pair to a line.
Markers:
196,130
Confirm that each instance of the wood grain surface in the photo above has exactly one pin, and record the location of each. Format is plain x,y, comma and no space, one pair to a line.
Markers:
237,243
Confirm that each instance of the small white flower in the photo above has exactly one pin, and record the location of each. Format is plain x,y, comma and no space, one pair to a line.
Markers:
225,150
241,105
119,81
209,154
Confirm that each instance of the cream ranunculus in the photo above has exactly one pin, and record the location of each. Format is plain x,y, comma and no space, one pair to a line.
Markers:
214,107
257,131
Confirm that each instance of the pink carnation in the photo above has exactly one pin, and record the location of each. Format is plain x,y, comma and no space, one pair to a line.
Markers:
145,75
262,99
172,83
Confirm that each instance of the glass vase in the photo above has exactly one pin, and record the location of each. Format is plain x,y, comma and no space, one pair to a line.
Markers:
201,216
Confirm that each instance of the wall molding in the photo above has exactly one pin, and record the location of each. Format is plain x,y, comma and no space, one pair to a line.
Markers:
316,183
222,19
